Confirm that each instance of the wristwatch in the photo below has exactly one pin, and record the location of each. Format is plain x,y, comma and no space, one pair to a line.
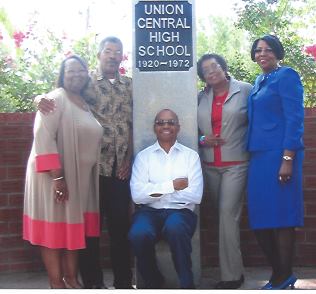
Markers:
202,140
287,158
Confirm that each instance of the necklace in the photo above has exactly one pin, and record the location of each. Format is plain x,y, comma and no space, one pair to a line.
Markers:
271,73
220,99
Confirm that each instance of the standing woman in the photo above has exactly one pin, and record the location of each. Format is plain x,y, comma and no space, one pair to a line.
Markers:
275,142
222,121
61,203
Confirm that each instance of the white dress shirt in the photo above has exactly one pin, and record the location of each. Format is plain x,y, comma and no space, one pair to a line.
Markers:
154,171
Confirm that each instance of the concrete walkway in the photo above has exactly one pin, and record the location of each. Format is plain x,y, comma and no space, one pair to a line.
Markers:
255,277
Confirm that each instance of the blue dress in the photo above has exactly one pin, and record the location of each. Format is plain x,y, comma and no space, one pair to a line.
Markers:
276,118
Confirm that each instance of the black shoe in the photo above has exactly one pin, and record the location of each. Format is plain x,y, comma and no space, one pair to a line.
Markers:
94,286
189,287
230,284
101,286
123,285
158,283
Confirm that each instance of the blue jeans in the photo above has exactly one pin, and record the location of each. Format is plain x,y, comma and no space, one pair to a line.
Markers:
177,227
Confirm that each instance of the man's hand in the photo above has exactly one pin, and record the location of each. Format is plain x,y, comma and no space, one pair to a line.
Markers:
44,104
155,195
180,183
124,171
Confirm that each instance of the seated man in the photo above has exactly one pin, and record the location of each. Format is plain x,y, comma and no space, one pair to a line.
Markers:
167,182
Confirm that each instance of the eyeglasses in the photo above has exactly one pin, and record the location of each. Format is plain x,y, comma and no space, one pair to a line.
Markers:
169,122
210,68
110,52
265,50
76,72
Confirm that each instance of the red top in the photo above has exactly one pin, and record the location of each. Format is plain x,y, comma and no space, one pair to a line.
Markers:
217,115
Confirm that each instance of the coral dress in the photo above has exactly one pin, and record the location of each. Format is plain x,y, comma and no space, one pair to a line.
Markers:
69,138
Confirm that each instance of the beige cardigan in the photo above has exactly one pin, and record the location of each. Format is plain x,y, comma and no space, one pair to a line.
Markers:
56,133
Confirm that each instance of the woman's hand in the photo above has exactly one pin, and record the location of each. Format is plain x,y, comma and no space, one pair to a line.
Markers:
285,172
60,190
213,141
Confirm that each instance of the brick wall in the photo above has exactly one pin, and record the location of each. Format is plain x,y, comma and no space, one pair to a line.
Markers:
16,134
18,255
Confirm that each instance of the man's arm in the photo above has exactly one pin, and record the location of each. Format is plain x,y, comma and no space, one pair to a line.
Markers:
44,104
143,191
178,184
124,171
194,191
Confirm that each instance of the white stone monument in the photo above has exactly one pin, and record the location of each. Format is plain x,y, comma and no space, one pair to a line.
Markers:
164,76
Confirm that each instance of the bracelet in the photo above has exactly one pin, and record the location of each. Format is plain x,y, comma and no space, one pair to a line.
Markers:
202,140
287,158
57,179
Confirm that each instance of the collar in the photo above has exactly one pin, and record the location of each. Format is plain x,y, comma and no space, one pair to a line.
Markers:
234,88
176,145
100,77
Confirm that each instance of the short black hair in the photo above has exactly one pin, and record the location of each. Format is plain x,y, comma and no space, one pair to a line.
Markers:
110,39
273,42
219,59
61,75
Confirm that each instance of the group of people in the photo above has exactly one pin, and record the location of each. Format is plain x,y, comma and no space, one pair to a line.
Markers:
252,137
81,170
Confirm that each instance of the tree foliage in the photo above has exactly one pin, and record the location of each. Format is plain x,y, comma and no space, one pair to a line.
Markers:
29,62
219,35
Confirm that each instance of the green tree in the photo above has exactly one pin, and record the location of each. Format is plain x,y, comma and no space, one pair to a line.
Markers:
31,68
219,35
5,21
87,48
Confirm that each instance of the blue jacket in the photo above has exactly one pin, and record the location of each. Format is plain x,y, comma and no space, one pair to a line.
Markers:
276,111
